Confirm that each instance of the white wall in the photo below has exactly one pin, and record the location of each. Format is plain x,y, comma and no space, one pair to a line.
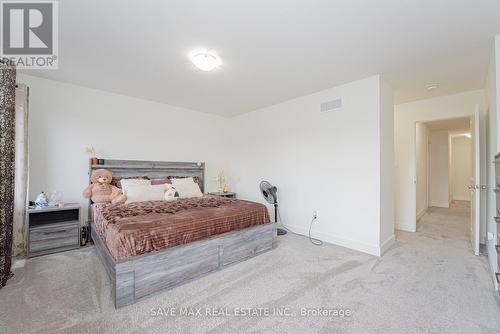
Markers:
493,145
64,119
461,168
405,117
422,145
439,168
334,163
386,135
324,162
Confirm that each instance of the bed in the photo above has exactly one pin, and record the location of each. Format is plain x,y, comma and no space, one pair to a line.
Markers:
149,247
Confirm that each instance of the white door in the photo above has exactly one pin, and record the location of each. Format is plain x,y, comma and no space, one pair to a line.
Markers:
476,181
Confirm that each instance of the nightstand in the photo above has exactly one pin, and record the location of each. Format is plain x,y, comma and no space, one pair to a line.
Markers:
53,229
222,194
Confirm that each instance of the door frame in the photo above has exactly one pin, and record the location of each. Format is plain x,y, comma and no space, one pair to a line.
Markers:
476,187
414,153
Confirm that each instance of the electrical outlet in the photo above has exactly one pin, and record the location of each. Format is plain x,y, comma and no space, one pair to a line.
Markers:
315,214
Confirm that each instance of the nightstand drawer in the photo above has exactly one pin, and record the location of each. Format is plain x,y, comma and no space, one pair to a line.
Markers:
43,245
54,232
54,237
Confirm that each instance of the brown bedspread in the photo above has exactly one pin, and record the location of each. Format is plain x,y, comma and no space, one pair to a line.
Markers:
139,228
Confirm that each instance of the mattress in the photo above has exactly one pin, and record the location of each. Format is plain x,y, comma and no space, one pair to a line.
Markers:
134,229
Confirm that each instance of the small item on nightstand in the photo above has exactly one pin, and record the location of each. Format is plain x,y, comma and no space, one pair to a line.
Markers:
94,160
60,205
41,200
221,180
226,189
55,198
100,161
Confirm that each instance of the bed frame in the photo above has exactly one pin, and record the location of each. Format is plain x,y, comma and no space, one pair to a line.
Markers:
142,276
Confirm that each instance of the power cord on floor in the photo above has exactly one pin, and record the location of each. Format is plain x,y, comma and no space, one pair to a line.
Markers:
314,241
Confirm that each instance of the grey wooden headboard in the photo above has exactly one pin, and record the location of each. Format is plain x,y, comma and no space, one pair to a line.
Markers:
154,169
151,169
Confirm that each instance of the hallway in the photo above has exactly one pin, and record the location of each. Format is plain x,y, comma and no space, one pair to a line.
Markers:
455,279
452,223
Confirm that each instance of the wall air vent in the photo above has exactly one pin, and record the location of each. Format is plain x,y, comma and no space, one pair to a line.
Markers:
331,105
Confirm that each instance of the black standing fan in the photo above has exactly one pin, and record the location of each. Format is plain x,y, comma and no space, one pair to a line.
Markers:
270,194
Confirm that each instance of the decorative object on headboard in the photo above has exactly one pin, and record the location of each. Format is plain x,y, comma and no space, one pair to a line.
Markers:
91,151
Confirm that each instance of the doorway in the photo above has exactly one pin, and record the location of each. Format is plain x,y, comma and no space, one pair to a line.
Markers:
445,172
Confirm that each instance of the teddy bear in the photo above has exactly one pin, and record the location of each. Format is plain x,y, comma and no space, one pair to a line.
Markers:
100,190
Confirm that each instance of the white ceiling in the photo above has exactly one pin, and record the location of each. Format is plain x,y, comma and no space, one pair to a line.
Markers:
273,51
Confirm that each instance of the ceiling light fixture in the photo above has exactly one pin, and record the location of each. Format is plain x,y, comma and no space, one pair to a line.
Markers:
206,61
432,86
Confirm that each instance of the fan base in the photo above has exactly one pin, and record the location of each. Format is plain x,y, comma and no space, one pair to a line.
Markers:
281,231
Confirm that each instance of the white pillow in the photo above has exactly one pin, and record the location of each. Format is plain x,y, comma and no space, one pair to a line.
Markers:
125,183
144,192
186,187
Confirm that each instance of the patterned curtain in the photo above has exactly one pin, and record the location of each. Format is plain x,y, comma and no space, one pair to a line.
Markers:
7,146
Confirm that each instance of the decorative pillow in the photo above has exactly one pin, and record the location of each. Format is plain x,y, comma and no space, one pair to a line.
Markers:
144,192
125,183
195,178
117,182
186,187
160,181
171,194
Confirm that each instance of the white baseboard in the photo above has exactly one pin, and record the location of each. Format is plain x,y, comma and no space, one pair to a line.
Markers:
441,205
492,259
387,244
464,199
348,243
421,213
405,226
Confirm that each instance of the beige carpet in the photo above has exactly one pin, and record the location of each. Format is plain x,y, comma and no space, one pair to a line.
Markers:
428,282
